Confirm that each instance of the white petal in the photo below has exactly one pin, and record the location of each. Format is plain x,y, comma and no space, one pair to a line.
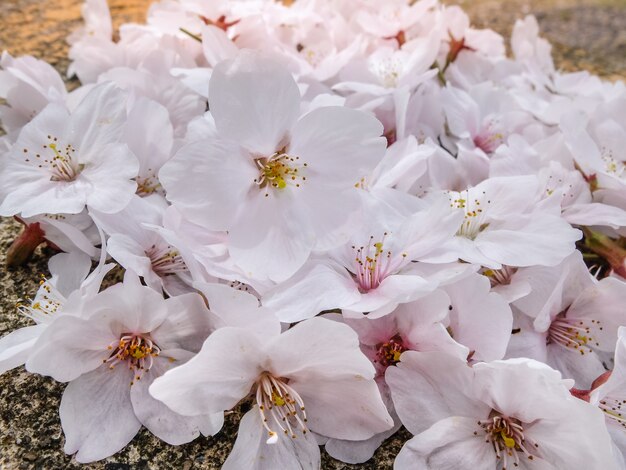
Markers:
318,286
272,239
252,453
220,375
340,145
238,308
70,347
450,444
98,120
319,348
161,421
208,182
16,346
349,409
96,414
254,101
422,395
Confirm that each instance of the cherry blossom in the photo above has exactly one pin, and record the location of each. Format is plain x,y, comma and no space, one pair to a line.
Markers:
290,391
63,162
272,172
110,354
501,414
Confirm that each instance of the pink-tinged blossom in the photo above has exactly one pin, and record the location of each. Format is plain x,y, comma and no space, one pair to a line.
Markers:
311,378
272,179
596,143
570,320
62,162
376,270
414,326
501,414
125,337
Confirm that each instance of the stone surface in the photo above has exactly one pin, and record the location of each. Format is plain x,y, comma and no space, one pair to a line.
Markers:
588,34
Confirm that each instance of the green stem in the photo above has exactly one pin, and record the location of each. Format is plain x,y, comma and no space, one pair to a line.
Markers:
191,35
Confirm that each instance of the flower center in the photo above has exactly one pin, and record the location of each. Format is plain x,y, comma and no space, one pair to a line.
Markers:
489,138
138,351
387,69
613,166
61,164
148,185
279,405
373,264
389,352
165,260
279,171
572,334
474,220
506,435
500,277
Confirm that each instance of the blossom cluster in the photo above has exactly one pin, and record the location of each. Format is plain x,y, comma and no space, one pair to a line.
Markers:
351,215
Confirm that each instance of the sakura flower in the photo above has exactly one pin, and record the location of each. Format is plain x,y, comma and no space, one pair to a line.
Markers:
61,163
415,326
138,247
373,272
69,287
503,225
310,378
570,320
388,69
502,414
482,118
597,143
272,180
125,337
395,19
28,85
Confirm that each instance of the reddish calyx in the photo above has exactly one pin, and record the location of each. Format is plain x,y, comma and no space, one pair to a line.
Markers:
456,46
25,244
220,22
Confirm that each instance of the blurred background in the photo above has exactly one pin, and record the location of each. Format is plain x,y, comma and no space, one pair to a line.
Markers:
586,34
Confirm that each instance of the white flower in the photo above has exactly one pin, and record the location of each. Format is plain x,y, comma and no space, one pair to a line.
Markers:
63,162
504,225
280,185
313,377
502,415
68,289
125,337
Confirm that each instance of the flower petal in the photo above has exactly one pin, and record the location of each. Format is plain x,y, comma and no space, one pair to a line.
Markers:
96,414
